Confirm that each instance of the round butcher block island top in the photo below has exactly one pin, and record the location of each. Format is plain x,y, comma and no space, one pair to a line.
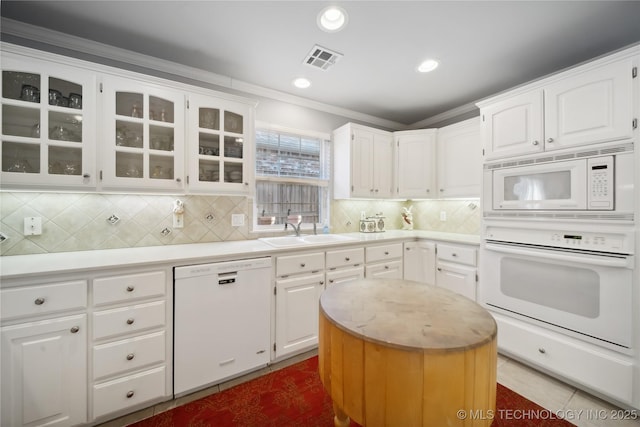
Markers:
401,353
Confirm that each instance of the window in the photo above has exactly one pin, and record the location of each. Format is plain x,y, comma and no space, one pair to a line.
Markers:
292,177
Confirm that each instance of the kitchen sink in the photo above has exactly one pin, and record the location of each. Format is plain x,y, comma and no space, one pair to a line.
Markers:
307,239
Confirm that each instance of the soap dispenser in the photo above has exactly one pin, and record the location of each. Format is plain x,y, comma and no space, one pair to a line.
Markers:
325,227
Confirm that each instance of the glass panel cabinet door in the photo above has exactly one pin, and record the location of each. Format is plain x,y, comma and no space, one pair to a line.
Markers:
144,136
220,132
48,124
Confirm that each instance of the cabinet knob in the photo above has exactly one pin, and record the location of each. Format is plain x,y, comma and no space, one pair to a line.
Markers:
246,183
442,190
302,264
330,280
86,175
75,329
535,142
347,258
376,190
130,356
439,269
322,282
408,249
550,140
130,321
130,288
454,254
386,267
386,253
178,180
542,350
130,394
39,301
428,190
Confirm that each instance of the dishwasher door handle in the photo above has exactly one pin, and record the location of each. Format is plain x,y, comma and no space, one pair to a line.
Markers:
227,278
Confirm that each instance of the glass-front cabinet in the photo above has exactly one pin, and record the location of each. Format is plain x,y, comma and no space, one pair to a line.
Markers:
48,124
143,143
219,133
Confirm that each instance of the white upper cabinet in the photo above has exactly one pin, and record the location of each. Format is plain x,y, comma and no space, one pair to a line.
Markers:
48,124
459,150
220,135
143,134
590,107
415,163
586,105
363,162
514,126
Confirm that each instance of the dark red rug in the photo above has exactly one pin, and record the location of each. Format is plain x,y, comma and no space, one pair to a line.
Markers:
295,397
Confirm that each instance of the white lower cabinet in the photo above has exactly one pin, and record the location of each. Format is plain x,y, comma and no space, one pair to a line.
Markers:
384,261
131,342
299,284
456,269
594,367
419,262
44,372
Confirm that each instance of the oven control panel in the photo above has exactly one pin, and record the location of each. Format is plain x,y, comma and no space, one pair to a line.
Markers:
601,241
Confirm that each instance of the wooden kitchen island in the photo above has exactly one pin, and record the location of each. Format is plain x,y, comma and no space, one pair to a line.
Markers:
401,353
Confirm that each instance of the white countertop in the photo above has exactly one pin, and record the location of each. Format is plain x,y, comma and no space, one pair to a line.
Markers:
195,253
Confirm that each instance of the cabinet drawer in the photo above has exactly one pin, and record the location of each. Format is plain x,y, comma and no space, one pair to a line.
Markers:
385,270
128,391
459,254
344,258
127,355
580,362
126,320
43,299
108,290
294,264
383,252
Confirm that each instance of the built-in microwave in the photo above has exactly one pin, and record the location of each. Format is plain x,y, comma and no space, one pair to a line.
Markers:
591,180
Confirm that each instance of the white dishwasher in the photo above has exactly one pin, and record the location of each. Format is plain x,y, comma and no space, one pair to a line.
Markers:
222,322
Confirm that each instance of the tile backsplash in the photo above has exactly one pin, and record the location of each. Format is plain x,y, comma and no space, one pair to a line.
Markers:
81,221
462,216
87,221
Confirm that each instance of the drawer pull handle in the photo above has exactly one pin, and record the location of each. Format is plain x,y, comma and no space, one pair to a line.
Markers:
39,301
302,264
75,330
130,394
542,350
347,258
130,321
130,288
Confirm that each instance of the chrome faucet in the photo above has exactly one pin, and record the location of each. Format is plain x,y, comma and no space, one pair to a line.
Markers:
298,222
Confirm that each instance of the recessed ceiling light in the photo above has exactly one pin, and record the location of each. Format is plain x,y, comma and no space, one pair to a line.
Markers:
428,65
332,19
301,83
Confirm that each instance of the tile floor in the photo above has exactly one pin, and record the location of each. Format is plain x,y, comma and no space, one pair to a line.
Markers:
578,407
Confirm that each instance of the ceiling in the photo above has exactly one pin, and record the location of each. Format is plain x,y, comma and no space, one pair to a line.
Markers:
484,47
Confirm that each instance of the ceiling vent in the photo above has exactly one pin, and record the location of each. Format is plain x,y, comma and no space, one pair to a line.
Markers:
322,58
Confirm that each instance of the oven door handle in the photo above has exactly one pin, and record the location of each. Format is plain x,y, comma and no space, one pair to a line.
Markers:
622,261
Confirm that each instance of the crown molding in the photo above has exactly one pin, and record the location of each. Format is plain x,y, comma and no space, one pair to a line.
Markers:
462,110
71,43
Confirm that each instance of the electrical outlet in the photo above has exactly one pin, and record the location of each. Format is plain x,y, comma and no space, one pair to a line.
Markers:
32,226
443,215
237,220
178,220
